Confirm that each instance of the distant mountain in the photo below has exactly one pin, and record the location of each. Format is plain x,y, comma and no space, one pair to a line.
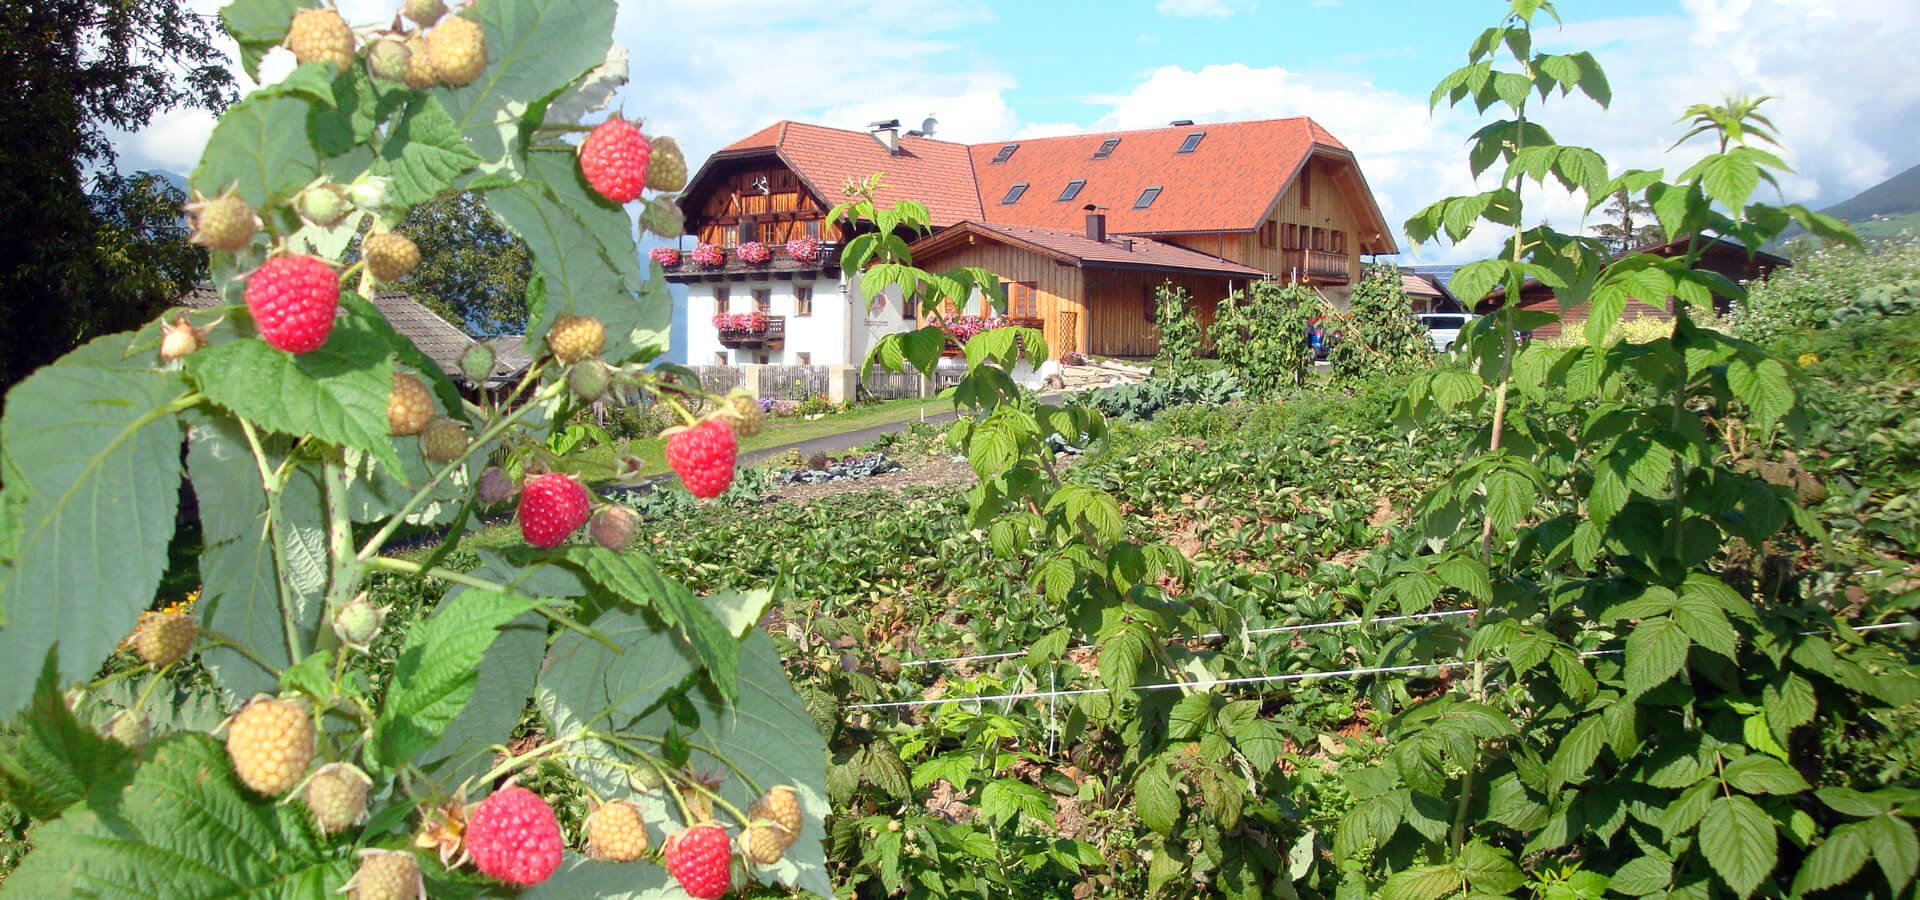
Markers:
1898,195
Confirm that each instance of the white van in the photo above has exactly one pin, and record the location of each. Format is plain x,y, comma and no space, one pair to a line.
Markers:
1443,328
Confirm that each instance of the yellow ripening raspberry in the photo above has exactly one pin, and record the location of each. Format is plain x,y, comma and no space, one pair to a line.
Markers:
321,36
457,48
617,832
271,743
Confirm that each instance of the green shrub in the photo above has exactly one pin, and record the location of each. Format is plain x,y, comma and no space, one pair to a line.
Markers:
1142,401
1378,333
1179,332
1805,297
1261,334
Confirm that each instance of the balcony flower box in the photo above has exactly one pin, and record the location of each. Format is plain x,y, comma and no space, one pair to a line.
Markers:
708,256
667,257
740,323
754,253
804,250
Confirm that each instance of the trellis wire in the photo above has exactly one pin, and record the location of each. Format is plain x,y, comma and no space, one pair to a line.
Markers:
1253,679
1214,635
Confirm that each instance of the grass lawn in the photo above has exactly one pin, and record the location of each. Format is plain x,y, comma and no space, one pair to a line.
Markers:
779,432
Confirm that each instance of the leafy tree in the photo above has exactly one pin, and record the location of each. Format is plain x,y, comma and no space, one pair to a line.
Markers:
1179,331
75,71
1624,209
1378,333
472,270
1262,334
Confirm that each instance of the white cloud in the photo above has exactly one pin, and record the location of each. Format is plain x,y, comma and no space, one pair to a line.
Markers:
1199,9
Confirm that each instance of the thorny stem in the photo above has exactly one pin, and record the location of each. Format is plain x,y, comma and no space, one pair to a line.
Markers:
514,762
271,484
228,642
407,566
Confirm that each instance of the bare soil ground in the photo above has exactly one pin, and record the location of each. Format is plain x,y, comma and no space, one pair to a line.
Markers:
936,471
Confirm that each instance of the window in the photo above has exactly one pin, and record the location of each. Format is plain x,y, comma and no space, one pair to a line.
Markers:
1192,142
804,358
1106,148
1023,300
1269,236
1005,153
1073,189
722,301
763,301
803,300
813,229
1339,242
720,359
1013,194
1306,186
1147,197
745,232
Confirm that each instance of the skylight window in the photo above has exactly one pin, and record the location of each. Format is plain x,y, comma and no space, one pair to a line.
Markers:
1147,197
1073,189
1006,153
1106,148
1013,194
1192,142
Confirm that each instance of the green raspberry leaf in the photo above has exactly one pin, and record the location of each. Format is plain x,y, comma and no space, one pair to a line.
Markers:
535,49
437,672
260,146
93,445
423,153
337,393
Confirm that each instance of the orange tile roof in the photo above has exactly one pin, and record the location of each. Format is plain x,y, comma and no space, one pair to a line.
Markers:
1076,247
1227,183
936,173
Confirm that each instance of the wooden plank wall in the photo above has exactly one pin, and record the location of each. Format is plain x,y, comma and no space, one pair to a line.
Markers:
1328,207
1119,319
781,214
1058,287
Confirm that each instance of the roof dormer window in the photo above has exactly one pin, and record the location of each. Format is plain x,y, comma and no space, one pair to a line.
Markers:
1006,153
1073,189
1147,197
1192,142
1013,194
1106,148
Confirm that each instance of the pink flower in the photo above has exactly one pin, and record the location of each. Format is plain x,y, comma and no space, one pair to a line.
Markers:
961,328
754,253
667,257
803,249
709,256
753,322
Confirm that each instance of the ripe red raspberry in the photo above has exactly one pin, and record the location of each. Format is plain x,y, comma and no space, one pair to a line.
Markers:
552,506
293,300
613,526
164,638
390,255
574,338
703,455
617,832
337,796
701,859
409,405
614,158
271,743
321,36
386,875
457,48
514,837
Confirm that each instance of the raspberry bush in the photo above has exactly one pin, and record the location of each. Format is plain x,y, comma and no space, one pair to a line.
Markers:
312,434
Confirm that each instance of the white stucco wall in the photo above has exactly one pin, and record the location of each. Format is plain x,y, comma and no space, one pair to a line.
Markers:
839,331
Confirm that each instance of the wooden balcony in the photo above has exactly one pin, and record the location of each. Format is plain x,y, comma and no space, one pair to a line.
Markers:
1317,266
781,267
773,337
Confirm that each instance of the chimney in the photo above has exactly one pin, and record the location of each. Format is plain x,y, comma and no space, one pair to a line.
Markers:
888,134
1097,227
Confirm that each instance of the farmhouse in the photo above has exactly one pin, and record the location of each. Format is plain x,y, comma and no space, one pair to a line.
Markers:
1720,256
1081,230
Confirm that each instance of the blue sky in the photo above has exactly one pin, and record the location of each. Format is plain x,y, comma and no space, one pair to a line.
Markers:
711,71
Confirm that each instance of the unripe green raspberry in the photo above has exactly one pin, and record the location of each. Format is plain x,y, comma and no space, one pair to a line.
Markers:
443,439
358,622
323,204
589,379
128,728
644,778
613,526
369,192
762,844
424,12
743,410
667,170
386,875
476,362
224,223
387,59
337,796
271,743
164,638
574,338
421,75
390,255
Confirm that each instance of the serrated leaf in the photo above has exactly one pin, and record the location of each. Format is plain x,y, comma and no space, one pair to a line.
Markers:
1756,774
1790,703
1642,876
634,578
50,760
260,147
1156,800
258,26
1739,840
1422,883
93,445
535,49
1895,848
423,153
1578,751
337,394
183,828
1656,651
1836,860
1466,575
436,674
